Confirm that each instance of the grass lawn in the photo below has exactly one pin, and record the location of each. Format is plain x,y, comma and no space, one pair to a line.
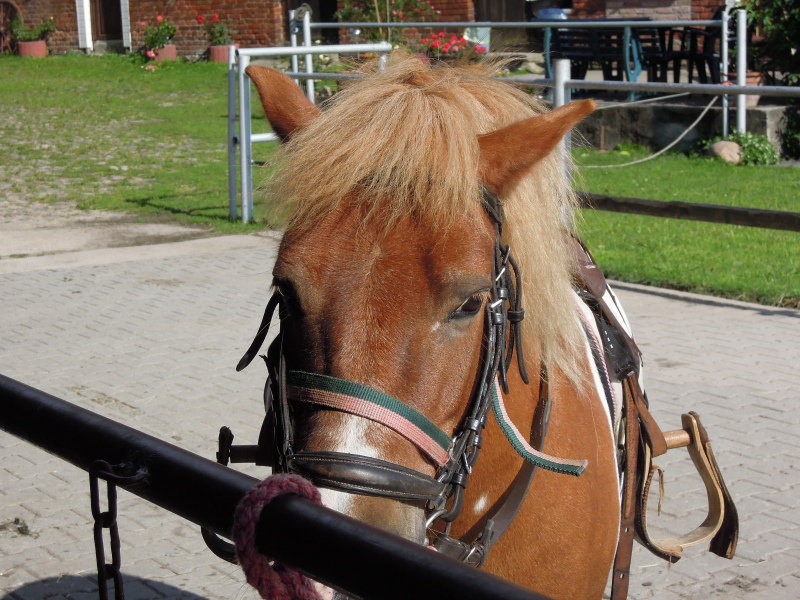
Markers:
106,133
746,263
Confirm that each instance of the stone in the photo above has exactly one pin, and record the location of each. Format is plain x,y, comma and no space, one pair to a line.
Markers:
730,152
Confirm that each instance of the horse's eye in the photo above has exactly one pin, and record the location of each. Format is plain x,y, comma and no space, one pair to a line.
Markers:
469,308
290,305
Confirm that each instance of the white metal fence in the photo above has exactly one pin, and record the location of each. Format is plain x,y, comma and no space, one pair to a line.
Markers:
243,138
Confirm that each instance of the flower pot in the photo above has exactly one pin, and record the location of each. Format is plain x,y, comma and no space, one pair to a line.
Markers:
751,78
168,52
218,54
36,48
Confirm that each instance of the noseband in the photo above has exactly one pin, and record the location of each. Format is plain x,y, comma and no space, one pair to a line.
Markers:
455,455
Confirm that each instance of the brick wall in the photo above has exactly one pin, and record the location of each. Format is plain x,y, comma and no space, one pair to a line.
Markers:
705,9
656,9
678,10
455,10
255,22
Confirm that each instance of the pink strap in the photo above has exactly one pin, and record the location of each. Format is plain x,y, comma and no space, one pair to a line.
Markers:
273,582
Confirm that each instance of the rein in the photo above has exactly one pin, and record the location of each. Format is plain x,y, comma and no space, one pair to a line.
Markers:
454,456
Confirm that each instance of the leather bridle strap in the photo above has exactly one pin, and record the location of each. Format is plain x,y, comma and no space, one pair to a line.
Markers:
367,402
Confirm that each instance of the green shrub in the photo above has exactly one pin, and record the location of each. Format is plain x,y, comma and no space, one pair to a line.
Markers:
32,34
755,149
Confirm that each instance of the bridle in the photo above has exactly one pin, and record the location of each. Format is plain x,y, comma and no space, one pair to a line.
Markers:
455,455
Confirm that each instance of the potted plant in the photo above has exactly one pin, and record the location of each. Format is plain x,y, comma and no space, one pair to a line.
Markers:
220,36
158,40
32,41
443,47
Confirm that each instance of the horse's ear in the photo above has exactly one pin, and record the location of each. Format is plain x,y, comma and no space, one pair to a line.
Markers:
284,103
509,153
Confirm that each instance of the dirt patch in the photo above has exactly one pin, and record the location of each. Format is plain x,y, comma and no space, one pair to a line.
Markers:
30,228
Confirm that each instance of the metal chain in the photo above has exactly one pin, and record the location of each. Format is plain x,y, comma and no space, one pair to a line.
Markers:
113,476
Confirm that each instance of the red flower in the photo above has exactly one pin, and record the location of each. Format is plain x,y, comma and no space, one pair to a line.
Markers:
436,44
159,18
424,40
215,17
480,49
446,48
200,19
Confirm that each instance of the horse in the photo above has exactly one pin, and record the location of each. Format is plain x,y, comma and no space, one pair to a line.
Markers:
427,204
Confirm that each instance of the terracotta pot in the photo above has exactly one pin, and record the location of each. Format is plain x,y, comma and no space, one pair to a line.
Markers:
37,48
168,52
218,54
751,78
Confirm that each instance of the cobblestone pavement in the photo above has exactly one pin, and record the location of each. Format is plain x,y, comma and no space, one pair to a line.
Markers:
150,338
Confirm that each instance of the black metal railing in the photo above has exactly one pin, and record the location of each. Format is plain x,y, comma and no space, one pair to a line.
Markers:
337,550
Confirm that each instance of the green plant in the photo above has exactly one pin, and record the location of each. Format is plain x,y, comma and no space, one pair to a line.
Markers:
385,11
754,149
32,34
220,33
158,35
439,46
778,23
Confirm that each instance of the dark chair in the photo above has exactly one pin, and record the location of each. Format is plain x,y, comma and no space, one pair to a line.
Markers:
609,46
651,44
576,45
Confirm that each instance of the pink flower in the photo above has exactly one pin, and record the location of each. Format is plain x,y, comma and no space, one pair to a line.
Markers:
436,44
215,17
424,40
143,24
480,49
159,18
200,19
151,54
446,48
453,38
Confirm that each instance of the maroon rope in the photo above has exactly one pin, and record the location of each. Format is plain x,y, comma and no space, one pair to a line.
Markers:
273,581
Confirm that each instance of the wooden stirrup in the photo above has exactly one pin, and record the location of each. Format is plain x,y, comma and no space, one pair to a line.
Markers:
721,525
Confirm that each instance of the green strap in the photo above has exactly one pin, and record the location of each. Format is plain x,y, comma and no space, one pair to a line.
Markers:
529,454
368,394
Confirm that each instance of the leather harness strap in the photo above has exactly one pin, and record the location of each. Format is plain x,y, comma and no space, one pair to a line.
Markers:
644,440
622,560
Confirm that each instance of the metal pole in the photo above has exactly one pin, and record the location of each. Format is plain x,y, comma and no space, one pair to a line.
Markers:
245,144
293,37
561,74
561,93
296,531
723,70
329,546
232,139
309,59
383,60
741,69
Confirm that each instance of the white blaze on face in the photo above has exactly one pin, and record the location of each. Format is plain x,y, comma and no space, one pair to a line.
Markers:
349,439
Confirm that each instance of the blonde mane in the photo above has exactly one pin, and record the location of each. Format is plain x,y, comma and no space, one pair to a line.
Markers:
403,141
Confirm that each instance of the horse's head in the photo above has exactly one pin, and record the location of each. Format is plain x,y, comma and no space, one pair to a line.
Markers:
386,268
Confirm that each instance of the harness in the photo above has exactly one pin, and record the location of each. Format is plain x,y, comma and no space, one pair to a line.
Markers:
454,455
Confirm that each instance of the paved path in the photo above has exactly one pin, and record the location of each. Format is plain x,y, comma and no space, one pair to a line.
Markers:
149,336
